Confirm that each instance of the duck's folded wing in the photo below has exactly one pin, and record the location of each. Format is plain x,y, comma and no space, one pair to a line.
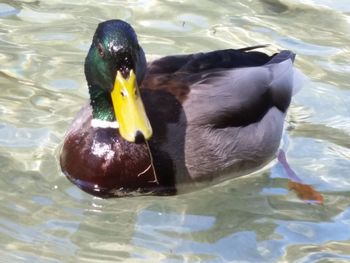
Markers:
168,64
241,96
199,62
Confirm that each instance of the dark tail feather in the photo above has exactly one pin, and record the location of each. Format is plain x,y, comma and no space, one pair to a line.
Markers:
282,56
252,47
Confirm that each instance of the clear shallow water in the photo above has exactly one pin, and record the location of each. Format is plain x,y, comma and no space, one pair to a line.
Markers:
44,218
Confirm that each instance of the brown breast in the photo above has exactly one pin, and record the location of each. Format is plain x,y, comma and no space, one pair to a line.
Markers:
101,163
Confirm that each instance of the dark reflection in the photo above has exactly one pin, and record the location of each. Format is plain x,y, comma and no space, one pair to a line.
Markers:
231,222
275,6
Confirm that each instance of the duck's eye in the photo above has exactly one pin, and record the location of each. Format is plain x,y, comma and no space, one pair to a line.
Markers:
135,91
101,50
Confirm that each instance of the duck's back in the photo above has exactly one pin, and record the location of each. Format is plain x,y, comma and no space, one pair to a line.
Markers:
219,112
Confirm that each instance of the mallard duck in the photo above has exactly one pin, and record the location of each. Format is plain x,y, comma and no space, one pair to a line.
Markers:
150,128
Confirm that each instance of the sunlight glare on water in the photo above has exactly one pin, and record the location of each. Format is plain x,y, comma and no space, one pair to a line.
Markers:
44,218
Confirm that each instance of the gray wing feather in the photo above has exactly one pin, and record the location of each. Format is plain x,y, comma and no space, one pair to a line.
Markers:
235,118
243,94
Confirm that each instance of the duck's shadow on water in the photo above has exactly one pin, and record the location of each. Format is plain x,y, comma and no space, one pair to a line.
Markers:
235,220
233,223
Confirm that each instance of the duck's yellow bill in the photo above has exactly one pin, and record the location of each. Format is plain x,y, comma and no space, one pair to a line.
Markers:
128,108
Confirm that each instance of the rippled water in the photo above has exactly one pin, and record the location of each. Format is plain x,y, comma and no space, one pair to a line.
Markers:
44,218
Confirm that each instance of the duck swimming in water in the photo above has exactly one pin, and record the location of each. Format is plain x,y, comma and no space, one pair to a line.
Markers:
150,128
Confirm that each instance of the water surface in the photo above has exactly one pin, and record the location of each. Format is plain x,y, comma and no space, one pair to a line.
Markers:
44,218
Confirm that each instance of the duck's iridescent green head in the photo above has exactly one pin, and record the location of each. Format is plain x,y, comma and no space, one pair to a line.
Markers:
114,67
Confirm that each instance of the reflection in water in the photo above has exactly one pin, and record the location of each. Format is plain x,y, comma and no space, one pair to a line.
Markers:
182,237
256,219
